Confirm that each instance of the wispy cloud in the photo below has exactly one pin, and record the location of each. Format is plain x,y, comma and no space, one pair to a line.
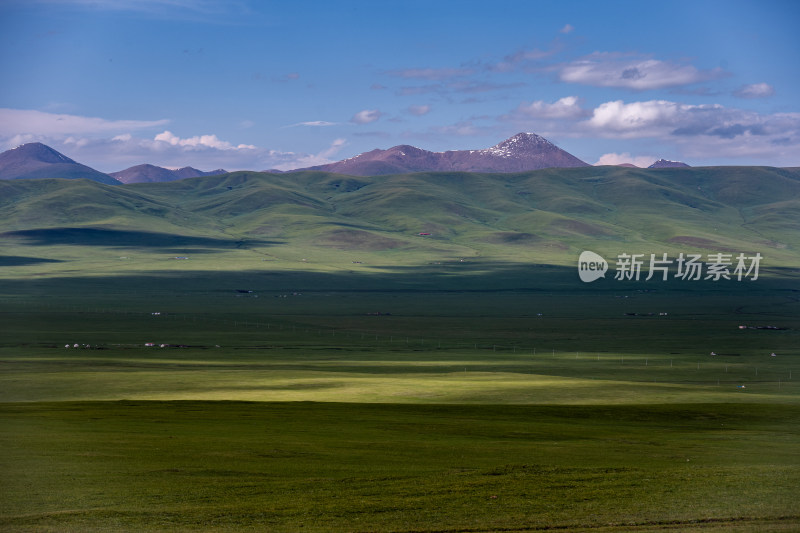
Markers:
458,86
32,122
464,128
446,80
366,116
527,59
334,148
208,10
635,73
756,90
285,78
291,161
431,73
313,123
564,108
419,110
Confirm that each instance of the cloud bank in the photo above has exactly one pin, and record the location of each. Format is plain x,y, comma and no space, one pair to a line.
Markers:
200,142
112,145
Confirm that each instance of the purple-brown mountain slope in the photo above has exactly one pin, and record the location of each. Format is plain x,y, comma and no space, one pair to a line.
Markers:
522,152
39,161
152,174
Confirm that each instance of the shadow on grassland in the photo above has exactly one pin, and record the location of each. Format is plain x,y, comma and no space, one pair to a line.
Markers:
494,306
20,260
469,276
123,239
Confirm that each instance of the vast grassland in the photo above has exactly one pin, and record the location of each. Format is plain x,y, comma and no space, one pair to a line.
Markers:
316,376
442,398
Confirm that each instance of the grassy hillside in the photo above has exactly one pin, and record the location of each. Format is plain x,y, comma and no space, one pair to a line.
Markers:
546,216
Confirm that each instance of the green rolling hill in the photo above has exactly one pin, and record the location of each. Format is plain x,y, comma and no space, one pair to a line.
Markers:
545,216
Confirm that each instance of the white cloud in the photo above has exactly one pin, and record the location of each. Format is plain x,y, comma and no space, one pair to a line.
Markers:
654,117
568,28
642,161
32,122
563,108
200,142
636,73
756,90
366,116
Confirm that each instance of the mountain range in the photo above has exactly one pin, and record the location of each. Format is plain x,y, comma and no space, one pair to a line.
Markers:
520,153
153,174
666,163
524,151
36,161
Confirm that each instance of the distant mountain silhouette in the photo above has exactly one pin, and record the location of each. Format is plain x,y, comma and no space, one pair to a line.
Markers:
38,161
522,152
153,174
666,163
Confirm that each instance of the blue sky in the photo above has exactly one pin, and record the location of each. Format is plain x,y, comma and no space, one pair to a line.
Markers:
259,85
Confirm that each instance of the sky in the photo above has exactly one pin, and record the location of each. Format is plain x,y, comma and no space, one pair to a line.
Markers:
289,84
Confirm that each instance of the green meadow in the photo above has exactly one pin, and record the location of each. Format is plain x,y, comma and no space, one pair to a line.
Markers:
174,361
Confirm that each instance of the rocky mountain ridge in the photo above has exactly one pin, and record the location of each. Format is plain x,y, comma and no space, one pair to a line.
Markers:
522,152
